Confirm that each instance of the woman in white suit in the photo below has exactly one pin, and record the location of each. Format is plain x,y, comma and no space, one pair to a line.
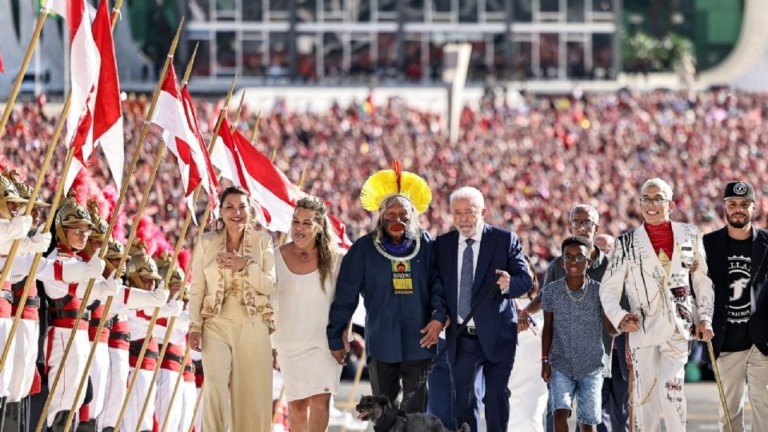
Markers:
231,318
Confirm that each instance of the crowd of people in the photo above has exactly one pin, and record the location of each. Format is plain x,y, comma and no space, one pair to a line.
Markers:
529,160
528,166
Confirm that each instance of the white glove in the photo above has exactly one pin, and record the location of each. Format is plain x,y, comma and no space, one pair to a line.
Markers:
76,272
38,243
18,227
108,287
160,296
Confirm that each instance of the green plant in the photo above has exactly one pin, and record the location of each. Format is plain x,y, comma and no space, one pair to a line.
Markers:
642,52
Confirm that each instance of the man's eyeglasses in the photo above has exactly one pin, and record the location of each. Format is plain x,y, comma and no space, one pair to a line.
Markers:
466,213
578,259
582,224
81,231
655,201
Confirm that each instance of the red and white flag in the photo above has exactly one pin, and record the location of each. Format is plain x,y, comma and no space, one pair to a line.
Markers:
175,114
339,231
247,167
108,113
84,74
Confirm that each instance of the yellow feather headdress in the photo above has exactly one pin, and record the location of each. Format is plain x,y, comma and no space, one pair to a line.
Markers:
386,183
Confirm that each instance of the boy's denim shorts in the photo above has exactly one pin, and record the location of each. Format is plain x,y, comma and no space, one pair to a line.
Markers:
586,391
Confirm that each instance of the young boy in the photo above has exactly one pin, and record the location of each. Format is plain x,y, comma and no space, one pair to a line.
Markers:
572,347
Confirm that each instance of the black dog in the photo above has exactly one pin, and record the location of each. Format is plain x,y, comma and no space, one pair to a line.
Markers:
386,418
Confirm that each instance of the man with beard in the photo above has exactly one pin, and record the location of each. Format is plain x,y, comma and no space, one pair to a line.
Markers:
393,269
736,258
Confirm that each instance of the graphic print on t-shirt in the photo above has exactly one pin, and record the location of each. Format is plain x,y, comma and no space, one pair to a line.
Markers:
739,301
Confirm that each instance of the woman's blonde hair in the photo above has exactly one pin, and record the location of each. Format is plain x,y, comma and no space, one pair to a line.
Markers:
323,240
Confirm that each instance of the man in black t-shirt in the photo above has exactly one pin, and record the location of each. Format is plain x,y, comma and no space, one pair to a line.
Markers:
737,258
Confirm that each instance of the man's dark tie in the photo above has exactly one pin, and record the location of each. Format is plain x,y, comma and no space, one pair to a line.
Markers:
465,281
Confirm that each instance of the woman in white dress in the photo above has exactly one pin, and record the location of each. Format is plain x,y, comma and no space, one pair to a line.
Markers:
528,400
306,270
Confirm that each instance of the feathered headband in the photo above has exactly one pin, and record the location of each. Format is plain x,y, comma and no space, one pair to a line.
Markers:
387,183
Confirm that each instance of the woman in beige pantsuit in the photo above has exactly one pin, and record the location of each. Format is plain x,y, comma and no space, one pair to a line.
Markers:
231,319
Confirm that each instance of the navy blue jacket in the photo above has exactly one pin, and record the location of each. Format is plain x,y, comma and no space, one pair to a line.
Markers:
496,320
393,321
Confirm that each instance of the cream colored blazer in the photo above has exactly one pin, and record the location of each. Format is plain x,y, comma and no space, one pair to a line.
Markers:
207,291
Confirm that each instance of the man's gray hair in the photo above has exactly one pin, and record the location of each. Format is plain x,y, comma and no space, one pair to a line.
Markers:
469,193
664,187
591,211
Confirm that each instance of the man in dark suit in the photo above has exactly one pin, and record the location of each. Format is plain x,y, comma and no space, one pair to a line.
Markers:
480,264
737,256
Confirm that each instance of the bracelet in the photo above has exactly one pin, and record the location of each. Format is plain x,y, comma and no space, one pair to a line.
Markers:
545,361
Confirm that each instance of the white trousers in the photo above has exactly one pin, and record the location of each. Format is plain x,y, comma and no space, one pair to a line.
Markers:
139,393
166,381
738,369
659,373
117,386
99,374
63,398
528,392
188,400
23,360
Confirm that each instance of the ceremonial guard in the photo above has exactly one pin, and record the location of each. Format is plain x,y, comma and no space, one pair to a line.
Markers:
73,225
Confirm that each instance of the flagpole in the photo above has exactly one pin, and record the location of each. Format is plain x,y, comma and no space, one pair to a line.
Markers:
187,353
172,322
255,132
112,221
197,407
22,71
219,121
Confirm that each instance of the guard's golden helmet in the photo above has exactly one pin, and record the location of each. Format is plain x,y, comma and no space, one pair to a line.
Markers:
8,194
100,226
115,251
70,213
141,266
25,190
164,263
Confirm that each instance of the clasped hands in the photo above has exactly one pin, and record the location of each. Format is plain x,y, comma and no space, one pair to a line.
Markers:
233,261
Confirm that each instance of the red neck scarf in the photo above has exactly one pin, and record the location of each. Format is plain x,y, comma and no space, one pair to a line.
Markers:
661,237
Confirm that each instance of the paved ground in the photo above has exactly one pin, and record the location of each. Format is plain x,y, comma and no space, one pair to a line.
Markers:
703,405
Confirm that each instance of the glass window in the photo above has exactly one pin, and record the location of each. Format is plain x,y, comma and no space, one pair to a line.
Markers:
468,11
549,55
522,53
333,55
602,56
575,11
278,55
387,6
414,11
253,10
549,5
254,57
306,49
225,49
225,5
443,6
602,5
495,8
362,64
522,11
413,67
202,66
576,61
306,11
